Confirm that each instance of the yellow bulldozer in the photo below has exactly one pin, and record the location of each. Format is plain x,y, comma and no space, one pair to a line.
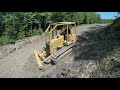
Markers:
57,41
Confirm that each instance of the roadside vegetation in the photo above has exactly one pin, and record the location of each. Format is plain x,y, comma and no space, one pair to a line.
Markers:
19,25
110,39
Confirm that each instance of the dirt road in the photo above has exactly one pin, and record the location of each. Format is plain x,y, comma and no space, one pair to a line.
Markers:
21,64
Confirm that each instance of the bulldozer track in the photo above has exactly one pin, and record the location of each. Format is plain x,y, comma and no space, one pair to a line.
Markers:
48,68
62,51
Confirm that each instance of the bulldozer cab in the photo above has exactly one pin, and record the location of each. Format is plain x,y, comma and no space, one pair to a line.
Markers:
53,32
57,38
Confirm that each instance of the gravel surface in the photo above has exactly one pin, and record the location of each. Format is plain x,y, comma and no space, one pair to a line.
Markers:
21,63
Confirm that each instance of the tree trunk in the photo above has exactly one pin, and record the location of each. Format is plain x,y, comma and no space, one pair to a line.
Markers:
31,29
39,21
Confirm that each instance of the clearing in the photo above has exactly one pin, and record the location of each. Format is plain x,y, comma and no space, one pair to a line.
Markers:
21,63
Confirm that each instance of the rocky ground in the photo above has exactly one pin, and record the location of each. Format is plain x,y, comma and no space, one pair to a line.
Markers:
17,61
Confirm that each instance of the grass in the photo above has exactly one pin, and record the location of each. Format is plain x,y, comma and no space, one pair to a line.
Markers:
110,64
6,40
44,76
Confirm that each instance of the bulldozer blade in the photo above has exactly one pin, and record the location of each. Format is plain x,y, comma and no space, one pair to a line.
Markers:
38,60
52,58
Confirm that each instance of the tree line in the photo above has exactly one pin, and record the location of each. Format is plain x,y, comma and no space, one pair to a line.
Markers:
18,25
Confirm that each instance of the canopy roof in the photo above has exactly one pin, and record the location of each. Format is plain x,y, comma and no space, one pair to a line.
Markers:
63,23
58,24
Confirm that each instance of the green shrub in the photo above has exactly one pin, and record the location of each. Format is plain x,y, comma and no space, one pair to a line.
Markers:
37,31
6,40
21,35
43,76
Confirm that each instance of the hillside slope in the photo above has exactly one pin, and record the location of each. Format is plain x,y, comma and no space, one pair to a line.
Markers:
110,64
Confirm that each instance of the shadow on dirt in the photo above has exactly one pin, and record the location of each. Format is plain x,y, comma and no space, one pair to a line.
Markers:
89,45
95,45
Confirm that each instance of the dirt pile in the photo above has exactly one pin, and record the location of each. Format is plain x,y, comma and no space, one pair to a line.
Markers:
7,49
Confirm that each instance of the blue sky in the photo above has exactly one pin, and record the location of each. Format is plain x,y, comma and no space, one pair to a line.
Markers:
108,15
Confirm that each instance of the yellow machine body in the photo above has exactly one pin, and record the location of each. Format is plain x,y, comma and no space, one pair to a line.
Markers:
55,43
55,40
